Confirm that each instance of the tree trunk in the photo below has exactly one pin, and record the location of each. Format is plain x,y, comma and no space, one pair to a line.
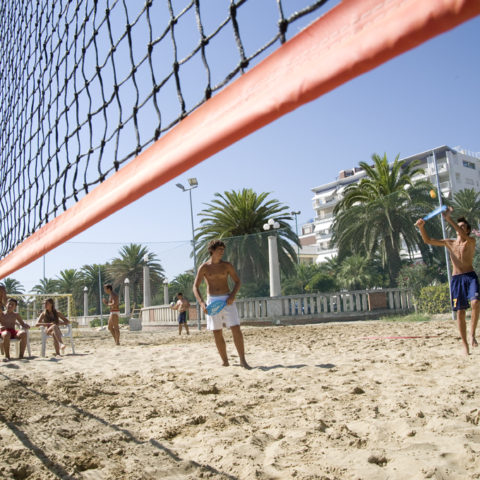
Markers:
394,262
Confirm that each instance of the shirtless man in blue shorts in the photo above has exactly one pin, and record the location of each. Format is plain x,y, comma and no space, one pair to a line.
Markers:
465,285
182,306
215,272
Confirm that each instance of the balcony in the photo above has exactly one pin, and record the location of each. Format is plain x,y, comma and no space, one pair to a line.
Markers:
325,202
327,218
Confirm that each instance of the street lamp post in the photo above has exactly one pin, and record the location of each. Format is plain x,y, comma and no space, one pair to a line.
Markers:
127,297
165,292
439,195
273,263
146,283
100,294
193,184
85,304
296,232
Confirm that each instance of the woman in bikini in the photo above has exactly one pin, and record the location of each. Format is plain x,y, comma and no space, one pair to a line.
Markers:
114,312
51,319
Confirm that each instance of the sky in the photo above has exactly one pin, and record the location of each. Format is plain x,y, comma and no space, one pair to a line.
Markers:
425,98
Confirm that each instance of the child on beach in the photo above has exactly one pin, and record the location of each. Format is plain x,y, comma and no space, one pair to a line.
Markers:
8,322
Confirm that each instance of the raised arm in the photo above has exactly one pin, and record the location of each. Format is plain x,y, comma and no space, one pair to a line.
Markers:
462,233
420,223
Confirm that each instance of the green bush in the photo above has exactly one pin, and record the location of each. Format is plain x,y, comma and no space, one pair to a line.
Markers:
434,299
414,277
97,323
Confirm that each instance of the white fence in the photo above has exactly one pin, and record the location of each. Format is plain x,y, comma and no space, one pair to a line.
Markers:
318,307
85,321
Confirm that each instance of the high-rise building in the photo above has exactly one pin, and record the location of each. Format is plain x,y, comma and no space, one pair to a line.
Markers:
457,168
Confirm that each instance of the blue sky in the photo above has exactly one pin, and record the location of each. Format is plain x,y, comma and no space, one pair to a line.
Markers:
425,98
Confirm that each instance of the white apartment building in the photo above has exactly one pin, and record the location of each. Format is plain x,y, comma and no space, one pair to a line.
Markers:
457,169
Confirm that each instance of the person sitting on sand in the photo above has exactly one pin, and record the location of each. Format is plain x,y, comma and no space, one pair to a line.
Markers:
215,272
182,306
50,319
8,322
464,285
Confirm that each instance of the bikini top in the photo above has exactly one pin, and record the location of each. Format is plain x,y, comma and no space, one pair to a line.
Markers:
50,318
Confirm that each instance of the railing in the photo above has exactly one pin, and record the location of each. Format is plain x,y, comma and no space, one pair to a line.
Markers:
304,308
324,219
83,321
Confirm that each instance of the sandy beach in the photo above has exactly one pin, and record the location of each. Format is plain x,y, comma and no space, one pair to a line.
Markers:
361,400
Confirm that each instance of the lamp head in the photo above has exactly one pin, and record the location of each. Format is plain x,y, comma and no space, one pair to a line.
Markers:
193,182
180,186
126,281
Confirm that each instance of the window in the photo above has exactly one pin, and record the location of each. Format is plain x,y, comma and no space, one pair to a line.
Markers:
469,164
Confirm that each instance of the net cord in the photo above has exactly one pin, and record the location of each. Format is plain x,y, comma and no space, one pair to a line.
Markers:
349,40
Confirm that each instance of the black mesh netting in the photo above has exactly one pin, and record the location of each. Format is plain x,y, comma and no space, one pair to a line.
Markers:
87,85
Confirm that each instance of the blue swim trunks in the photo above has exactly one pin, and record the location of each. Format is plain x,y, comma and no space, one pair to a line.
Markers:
182,317
464,287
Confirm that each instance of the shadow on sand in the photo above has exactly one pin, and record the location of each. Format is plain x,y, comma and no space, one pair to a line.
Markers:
58,469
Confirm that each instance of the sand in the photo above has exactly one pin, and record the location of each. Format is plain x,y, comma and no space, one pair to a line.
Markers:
323,401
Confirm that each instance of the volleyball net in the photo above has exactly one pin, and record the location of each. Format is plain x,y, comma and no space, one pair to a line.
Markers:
105,100
31,305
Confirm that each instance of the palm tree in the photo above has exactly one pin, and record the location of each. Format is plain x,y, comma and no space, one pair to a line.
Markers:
13,287
476,258
331,265
68,281
356,273
94,277
130,265
237,218
322,281
298,282
46,286
466,203
378,213
183,283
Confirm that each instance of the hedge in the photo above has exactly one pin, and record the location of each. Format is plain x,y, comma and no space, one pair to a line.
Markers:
434,299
